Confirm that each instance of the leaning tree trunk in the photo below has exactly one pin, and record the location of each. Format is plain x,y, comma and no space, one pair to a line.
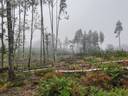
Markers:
42,36
10,42
30,49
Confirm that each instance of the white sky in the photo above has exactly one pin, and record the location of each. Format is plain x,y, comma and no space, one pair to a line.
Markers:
100,15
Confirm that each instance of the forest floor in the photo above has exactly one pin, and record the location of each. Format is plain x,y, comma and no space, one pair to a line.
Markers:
27,83
26,87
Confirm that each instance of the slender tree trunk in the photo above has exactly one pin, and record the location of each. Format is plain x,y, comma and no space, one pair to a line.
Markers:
2,36
57,32
119,43
57,25
30,49
24,28
51,10
19,29
52,28
13,28
42,36
14,16
17,40
47,48
10,42
57,29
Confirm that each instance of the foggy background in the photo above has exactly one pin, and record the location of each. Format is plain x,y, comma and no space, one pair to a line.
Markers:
100,15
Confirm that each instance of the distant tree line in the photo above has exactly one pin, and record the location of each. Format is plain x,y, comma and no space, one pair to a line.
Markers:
85,43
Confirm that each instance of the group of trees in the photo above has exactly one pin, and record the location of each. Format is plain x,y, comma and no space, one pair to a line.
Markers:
86,42
20,16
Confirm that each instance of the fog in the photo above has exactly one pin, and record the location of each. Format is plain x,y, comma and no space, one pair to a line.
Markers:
100,15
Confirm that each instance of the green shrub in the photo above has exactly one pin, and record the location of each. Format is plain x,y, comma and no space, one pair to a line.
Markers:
114,55
115,72
114,92
94,91
60,87
118,92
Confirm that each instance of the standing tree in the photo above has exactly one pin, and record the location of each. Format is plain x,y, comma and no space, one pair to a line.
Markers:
72,47
51,15
19,39
78,38
47,44
31,38
66,43
84,42
95,39
42,45
2,33
42,35
26,5
24,23
14,5
62,7
101,38
10,41
118,30
89,40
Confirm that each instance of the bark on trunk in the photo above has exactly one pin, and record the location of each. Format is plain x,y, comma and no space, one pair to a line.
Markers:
10,42
2,36
30,49
24,29
42,36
